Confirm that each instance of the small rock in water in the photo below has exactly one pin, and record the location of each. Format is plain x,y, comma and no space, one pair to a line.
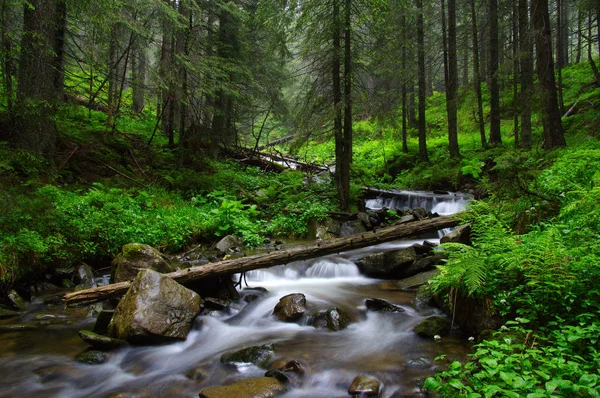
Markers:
365,385
433,326
16,301
290,307
92,357
249,298
260,387
257,355
289,373
101,342
333,319
84,275
375,304
197,374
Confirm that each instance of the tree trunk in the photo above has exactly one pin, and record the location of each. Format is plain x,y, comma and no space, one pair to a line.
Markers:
452,97
515,54
347,160
299,253
551,117
422,84
404,86
40,75
589,50
336,71
8,70
495,137
138,72
526,66
477,76
560,62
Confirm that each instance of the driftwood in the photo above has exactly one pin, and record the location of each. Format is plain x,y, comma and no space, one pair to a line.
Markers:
304,252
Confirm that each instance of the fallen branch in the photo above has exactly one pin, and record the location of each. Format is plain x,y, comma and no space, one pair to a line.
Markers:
298,253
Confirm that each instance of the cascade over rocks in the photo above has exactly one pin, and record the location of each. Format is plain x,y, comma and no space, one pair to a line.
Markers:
135,257
156,309
260,387
290,307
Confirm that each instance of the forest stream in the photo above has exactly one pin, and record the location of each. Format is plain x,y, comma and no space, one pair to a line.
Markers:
37,349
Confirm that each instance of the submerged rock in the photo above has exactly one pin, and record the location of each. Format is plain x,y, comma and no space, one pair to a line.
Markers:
156,309
100,342
432,326
365,385
92,357
135,257
260,387
375,304
333,319
257,355
290,307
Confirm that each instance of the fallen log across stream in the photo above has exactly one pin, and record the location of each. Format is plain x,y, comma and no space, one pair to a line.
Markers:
298,253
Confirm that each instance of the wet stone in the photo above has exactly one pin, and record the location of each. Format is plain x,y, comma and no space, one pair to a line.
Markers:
379,305
197,374
101,342
290,307
365,385
432,326
332,319
92,357
16,300
260,387
213,303
257,355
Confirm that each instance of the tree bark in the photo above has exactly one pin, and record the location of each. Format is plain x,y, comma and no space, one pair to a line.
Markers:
477,75
515,54
526,67
299,253
422,83
551,117
347,159
338,131
452,96
495,137
138,71
560,62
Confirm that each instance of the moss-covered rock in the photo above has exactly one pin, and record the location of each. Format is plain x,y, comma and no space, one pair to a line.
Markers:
260,387
135,257
434,326
257,355
100,342
156,309
92,357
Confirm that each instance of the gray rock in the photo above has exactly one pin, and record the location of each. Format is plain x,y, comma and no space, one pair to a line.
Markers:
332,319
390,264
352,228
230,244
257,355
92,357
417,280
327,229
424,264
432,326
135,257
420,213
16,301
156,309
100,342
365,385
260,387
462,234
375,304
84,275
290,307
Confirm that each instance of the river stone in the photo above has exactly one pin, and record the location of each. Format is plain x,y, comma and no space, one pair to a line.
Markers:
135,257
290,307
462,234
327,229
375,304
260,387
389,264
229,244
432,326
365,385
257,355
333,319
417,280
100,342
92,357
352,227
156,309
84,275
16,301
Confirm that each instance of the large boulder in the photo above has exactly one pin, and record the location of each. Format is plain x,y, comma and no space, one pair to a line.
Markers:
257,355
156,309
84,275
332,319
135,257
290,307
390,264
462,234
260,387
230,244
433,326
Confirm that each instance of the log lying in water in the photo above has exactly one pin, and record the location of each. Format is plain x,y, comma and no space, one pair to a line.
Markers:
259,261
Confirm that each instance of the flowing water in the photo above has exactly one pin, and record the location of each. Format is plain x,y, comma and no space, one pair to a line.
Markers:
36,358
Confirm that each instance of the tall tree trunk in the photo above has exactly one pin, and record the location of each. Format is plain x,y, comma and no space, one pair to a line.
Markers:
477,76
452,96
560,62
166,71
526,61
515,54
465,67
347,160
580,18
495,137
138,76
336,71
551,117
6,53
404,86
40,75
589,50
422,84
445,49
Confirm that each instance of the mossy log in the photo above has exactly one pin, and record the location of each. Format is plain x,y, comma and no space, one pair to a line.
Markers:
298,253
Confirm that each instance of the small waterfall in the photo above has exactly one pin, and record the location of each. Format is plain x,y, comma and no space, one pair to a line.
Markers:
441,203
